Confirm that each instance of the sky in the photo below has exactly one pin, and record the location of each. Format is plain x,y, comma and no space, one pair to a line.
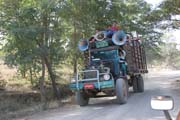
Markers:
175,33
154,2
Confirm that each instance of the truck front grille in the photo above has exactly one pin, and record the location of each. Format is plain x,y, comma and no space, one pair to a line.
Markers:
88,75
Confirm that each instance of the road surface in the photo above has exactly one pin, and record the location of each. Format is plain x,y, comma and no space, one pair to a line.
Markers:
137,108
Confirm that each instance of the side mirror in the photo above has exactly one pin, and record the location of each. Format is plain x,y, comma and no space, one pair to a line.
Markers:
162,103
73,78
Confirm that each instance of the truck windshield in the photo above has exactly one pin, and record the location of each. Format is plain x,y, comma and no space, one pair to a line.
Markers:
104,55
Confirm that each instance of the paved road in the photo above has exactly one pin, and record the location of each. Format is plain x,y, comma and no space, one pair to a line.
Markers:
137,108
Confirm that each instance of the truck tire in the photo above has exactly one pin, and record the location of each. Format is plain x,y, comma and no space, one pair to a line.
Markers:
140,84
81,98
121,91
135,84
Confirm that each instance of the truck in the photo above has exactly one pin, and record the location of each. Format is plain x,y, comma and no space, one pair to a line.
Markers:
106,73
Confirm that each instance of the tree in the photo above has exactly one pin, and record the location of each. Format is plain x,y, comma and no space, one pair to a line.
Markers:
171,8
84,17
41,33
165,15
33,31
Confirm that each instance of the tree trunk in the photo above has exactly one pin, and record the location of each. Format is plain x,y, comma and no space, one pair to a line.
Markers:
52,76
23,71
41,83
74,56
31,78
75,66
43,45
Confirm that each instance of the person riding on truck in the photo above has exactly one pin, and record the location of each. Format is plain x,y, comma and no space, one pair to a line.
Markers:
114,26
112,29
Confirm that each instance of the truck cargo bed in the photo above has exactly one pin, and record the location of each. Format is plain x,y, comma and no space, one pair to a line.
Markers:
135,57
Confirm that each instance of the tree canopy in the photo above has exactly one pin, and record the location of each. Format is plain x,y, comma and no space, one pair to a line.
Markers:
41,34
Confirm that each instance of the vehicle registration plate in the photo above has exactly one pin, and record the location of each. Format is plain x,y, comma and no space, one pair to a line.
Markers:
88,86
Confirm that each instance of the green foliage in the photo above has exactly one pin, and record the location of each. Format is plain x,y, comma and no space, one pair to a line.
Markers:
171,7
166,12
47,32
84,17
171,55
33,30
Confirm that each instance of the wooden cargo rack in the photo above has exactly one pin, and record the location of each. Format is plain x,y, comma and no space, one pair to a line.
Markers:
135,57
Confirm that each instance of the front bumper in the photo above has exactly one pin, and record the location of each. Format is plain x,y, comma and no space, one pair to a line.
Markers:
102,85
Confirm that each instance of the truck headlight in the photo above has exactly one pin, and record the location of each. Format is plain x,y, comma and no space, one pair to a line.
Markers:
106,77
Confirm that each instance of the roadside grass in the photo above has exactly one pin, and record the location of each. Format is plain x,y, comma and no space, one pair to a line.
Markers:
64,73
18,97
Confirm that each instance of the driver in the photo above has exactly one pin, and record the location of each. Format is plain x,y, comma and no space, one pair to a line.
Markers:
122,61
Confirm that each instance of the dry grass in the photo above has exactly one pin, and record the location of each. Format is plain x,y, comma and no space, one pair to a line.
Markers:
10,81
18,99
64,74
12,102
16,105
6,74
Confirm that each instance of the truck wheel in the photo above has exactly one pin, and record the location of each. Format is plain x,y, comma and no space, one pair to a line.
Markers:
121,91
140,83
81,98
135,84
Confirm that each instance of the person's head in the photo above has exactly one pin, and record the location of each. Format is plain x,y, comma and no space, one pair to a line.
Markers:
109,25
97,30
114,23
